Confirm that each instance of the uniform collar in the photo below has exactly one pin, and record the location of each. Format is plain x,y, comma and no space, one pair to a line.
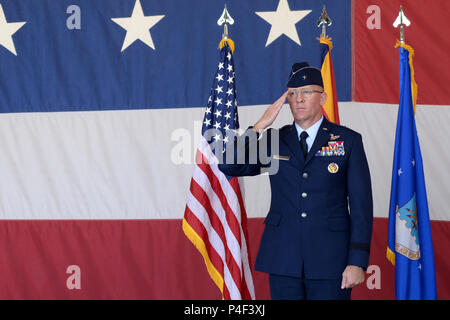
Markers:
312,131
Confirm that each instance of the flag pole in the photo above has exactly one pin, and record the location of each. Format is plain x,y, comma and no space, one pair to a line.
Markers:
330,108
403,21
410,245
324,20
224,20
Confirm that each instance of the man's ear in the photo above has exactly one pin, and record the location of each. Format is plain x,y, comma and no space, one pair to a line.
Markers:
323,98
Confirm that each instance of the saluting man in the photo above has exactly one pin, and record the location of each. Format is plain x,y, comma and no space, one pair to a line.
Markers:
317,234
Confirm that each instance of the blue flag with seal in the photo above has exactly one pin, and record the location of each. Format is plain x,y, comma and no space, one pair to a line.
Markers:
410,246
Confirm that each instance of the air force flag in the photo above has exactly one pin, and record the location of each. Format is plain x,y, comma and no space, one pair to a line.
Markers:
410,246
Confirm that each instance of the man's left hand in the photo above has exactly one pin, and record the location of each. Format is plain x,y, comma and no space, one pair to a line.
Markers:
352,276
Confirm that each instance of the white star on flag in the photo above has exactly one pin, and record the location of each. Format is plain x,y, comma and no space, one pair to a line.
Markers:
283,21
218,89
138,26
7,30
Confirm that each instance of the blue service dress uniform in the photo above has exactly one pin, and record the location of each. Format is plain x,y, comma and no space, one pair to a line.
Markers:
321,212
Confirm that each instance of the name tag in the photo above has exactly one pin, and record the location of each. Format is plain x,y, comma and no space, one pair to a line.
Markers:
280,157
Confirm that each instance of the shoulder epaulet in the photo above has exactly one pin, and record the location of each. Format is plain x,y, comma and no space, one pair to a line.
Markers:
286,127
343,128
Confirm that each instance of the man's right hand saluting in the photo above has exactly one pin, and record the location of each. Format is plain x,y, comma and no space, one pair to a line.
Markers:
270,114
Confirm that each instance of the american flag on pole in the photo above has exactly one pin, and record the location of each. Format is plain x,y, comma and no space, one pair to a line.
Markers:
215,220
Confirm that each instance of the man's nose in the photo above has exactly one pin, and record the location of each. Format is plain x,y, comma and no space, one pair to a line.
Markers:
300,97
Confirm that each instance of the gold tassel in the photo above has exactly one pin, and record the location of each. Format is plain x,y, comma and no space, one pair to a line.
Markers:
227,41
413,81
326,40
390,256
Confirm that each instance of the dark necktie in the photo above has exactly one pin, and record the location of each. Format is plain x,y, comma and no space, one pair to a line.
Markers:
303,143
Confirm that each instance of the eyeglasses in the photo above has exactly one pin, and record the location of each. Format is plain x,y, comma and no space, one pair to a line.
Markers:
306,93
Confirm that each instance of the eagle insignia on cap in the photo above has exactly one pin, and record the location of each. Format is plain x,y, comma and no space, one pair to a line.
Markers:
308,76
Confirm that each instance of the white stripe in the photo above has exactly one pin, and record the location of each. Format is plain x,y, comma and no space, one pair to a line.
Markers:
226,187
235,206
118,164
377,123
247,268
202,179
199,211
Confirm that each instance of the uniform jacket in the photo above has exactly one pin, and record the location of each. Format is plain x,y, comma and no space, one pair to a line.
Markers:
321,212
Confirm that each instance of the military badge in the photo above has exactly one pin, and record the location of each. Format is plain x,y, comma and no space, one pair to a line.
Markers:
407,241
333,167
334,148
333,137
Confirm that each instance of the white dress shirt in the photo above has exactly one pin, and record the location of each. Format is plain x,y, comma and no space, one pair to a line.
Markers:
312,132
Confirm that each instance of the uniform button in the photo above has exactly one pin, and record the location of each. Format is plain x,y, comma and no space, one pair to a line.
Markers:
305,175
304,215
304,195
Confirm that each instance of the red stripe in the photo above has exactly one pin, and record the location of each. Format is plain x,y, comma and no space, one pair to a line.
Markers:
199,228
153,259
231,219
234,182
325,114
333,83
215,183
238,277
215,258
229,214
201,196
375,47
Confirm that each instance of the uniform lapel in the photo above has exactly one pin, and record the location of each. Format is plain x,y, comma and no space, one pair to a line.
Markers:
291,140
322,137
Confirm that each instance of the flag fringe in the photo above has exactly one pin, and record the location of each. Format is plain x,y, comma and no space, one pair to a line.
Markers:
390,255
326,40
414,88
230,43
201,247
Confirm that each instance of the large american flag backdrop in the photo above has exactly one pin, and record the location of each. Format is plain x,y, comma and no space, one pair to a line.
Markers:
102,105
